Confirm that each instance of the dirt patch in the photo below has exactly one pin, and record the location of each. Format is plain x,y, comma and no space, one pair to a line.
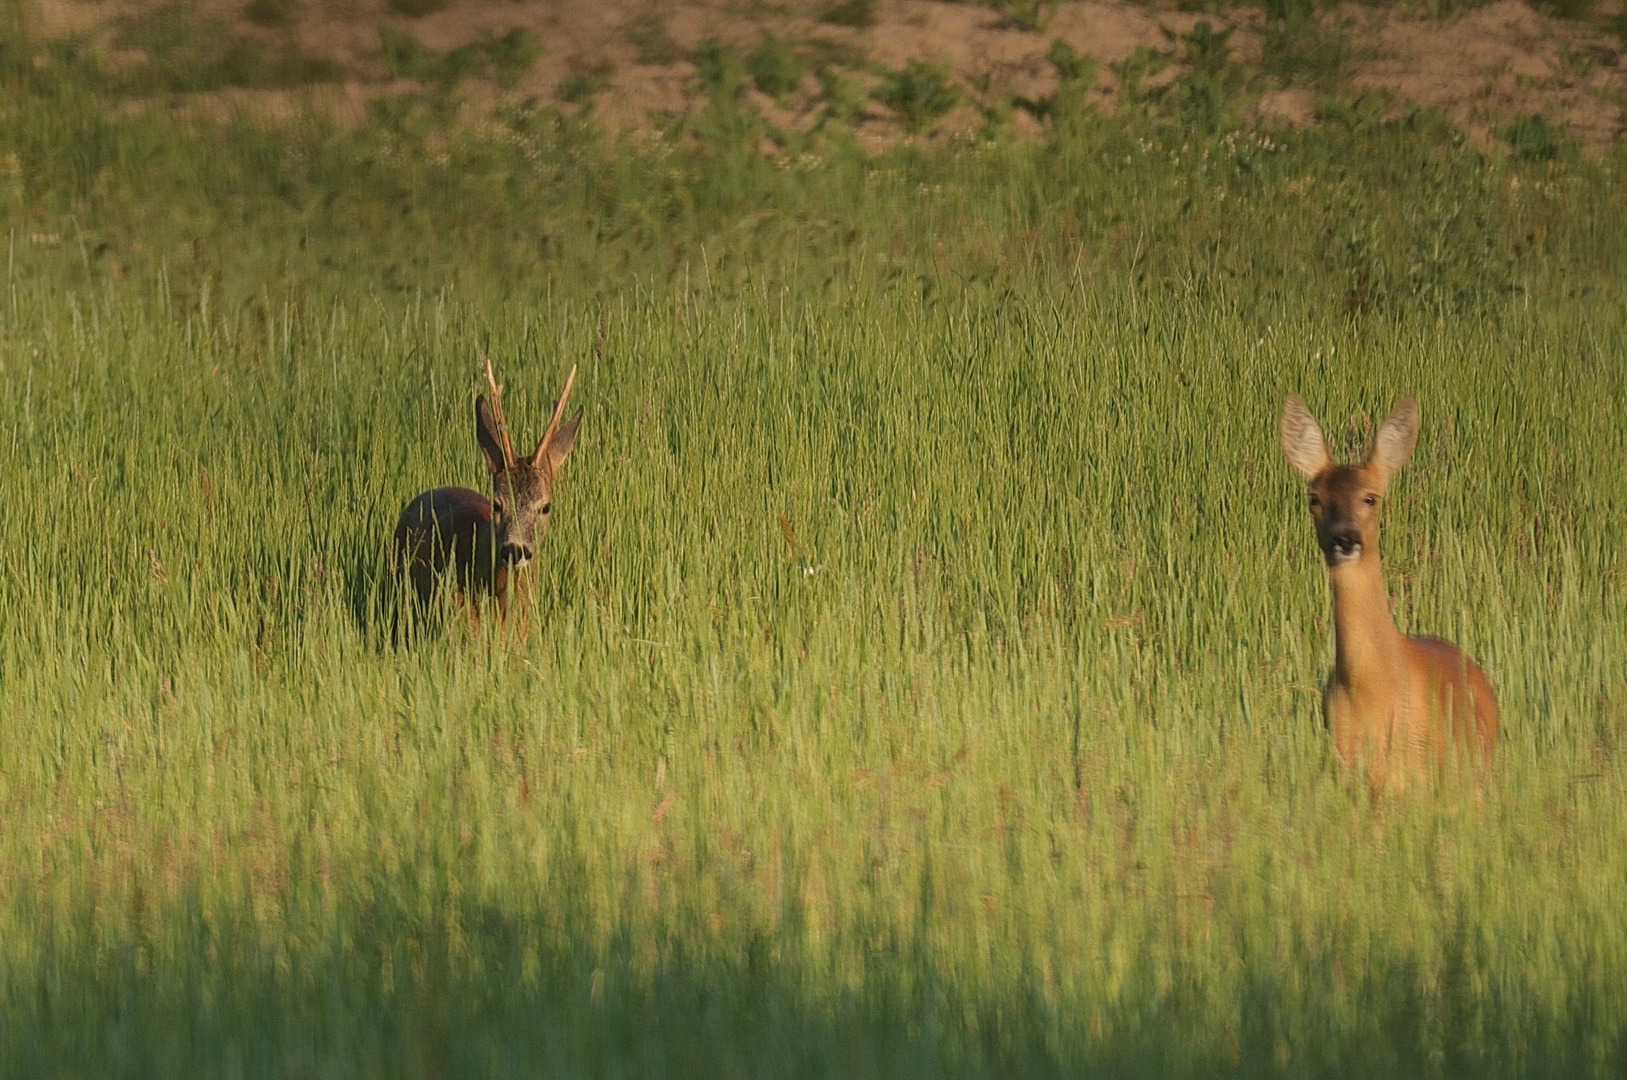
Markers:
638,63
1297,107
1486,66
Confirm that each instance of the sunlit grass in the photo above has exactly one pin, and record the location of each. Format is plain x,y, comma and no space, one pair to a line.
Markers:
926,666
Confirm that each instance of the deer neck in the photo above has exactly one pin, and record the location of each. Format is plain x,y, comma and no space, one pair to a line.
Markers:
1368,644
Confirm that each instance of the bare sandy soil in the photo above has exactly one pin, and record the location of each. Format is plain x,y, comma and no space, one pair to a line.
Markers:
1482,68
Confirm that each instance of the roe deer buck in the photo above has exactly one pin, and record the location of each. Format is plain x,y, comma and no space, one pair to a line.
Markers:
487,542
1390,700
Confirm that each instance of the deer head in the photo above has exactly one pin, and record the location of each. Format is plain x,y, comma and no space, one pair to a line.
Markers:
1344,499
522,487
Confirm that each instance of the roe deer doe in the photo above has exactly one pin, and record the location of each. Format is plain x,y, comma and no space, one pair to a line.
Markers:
487,543
1399,705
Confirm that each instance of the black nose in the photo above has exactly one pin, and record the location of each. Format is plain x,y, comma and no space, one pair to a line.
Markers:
516,553
1345,543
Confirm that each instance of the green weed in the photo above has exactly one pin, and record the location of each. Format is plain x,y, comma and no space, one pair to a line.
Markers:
183,52
505,58
1532,138
844,96
1440,9
1071,65
1205,94
855,13
1076,75
1291,12
416,8
1567,9
1133,73
718,69
1310,53
648,34
581,87
272,13
1031,15
775,67
511,54
1617,25
920,93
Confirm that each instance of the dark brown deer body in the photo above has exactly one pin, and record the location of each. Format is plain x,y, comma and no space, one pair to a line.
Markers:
486,545
1404,707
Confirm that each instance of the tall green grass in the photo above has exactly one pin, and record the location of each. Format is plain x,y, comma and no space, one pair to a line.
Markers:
924,675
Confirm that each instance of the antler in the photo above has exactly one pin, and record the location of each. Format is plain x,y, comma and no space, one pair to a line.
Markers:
559,409
497,414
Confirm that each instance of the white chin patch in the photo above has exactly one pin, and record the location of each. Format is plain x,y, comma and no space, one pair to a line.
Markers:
1340,558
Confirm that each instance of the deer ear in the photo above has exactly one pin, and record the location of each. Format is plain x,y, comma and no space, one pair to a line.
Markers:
486,431
1396,437
558,448
1302,439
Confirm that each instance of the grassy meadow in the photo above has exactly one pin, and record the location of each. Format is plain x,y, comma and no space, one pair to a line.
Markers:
924,676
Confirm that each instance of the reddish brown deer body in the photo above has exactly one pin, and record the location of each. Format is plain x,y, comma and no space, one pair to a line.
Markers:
1403,707
487,544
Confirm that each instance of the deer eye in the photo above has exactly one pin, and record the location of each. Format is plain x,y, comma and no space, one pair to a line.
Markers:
1316,504
547,506
1371,500
497,507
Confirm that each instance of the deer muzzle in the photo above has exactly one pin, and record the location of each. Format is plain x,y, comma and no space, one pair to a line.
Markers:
515,554
1343,547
